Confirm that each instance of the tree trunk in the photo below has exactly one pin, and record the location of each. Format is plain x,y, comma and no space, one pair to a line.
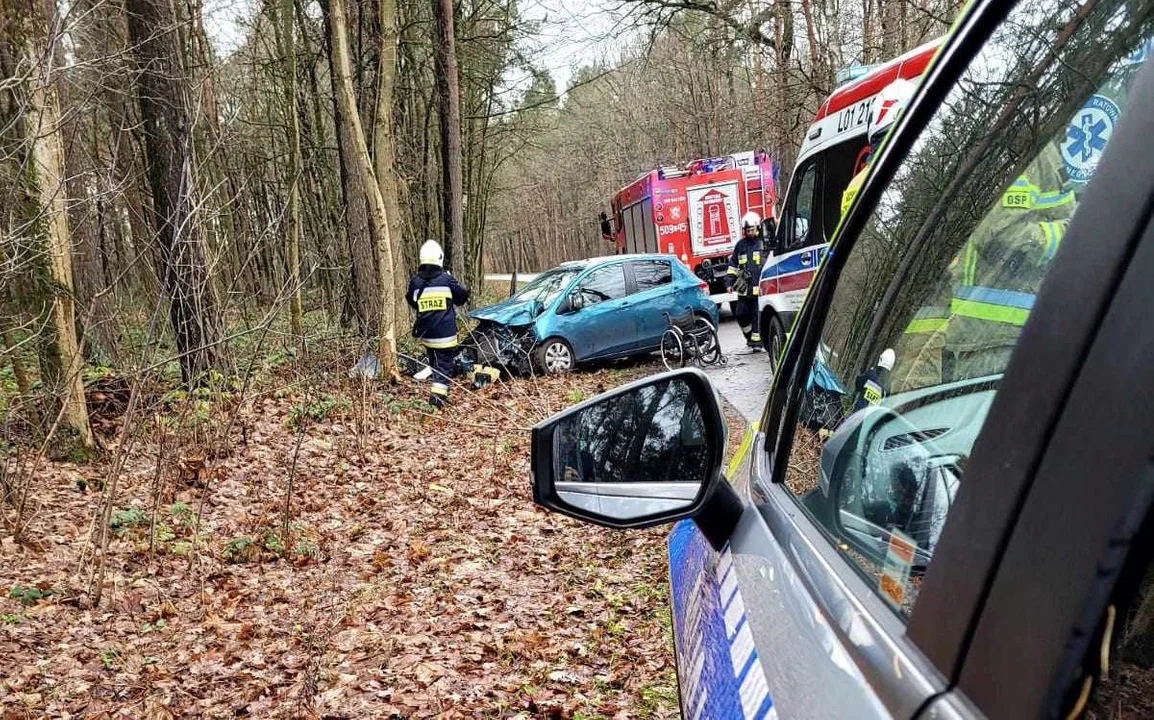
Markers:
292,221
363,297
349,117
384,145
47,173
166,124
449,97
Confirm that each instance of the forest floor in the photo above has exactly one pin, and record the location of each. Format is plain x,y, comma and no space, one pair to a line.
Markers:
411,577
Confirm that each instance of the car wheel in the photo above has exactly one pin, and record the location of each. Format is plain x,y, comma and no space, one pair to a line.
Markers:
773,338
554,356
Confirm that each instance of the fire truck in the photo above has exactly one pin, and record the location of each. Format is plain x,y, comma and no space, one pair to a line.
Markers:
694,212
835,148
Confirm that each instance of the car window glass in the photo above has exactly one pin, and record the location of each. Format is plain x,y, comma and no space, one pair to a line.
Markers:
606,283
651,274
935,291
546,287
803,209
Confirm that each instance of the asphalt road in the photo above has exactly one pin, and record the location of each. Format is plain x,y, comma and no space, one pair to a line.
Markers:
744,379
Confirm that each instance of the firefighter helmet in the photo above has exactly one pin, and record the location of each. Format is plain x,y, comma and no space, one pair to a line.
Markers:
886,361
888,107
750,220
432,254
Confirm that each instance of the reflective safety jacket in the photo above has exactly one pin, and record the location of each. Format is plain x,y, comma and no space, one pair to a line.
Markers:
434,294
851,190
1001,267
745,264
871,387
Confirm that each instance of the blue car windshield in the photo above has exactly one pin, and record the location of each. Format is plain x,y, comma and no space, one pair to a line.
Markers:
547,286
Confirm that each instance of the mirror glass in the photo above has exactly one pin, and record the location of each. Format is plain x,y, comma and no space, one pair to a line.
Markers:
633,455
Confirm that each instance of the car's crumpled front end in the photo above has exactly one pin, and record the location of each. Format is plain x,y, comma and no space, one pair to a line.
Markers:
508,347
504,336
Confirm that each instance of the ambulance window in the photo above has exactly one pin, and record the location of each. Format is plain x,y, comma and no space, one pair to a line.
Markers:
936,288
840,161
803,217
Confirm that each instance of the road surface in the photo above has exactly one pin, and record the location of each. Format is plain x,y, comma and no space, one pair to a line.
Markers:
744,380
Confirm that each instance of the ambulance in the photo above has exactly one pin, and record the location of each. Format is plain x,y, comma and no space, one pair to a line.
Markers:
835,148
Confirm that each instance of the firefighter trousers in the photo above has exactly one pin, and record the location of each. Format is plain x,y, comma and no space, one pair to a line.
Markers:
441,361
746,313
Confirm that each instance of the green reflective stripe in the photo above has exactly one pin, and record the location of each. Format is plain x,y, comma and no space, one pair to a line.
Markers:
969,265
927,325
1058,198
989,311
1053,232
731,271
741,260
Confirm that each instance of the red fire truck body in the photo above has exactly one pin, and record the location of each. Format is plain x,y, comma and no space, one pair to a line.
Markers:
695,212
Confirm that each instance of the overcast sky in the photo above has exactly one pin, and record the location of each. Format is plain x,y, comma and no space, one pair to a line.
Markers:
572,32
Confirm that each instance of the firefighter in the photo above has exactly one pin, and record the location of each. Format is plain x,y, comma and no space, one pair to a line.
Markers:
874,384
744,277
1002,265
434,294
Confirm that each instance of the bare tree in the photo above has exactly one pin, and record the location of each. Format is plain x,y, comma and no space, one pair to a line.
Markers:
166,126
350,117
449,102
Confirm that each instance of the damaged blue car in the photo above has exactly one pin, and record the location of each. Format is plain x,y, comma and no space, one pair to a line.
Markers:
585,310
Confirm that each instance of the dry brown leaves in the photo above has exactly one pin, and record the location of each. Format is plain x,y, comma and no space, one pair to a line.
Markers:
422,583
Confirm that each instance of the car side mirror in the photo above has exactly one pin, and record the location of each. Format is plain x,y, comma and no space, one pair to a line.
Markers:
645,454
769,232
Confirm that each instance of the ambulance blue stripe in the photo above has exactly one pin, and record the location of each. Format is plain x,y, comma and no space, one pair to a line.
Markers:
799,262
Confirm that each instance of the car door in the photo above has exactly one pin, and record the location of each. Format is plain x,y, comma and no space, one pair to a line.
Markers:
655,299
850,569
973,204
599,322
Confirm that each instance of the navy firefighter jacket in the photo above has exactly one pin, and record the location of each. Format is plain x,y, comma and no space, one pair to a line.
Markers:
434,293
745,263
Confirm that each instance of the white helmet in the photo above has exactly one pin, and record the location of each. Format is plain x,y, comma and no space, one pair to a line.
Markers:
886,361
888,107
750,220
432,254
